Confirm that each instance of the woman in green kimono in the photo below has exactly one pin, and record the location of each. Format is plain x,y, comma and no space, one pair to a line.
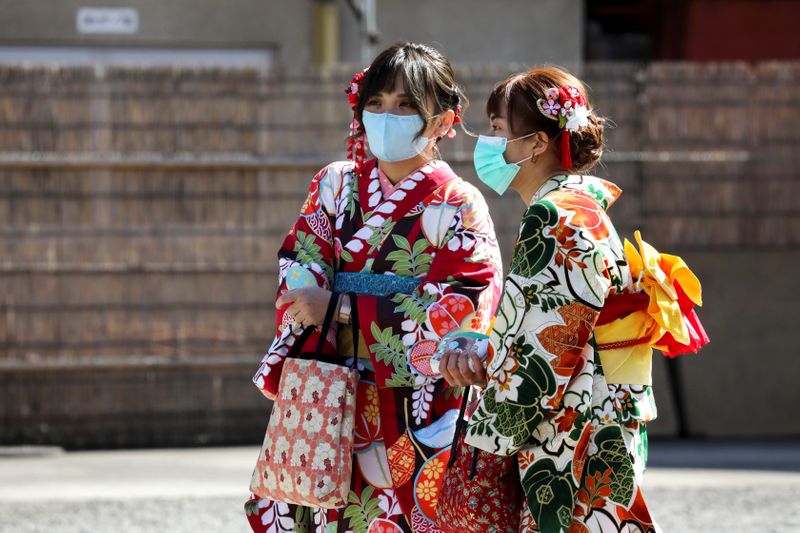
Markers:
579,436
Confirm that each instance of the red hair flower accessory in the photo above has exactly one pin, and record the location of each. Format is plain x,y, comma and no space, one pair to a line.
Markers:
356,151
568,106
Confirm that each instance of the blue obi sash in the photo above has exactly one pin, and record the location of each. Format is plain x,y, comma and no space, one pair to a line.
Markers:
374,284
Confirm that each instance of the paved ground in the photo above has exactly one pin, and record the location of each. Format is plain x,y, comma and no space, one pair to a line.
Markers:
692,487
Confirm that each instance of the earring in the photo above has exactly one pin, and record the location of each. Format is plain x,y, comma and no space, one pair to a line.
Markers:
534,159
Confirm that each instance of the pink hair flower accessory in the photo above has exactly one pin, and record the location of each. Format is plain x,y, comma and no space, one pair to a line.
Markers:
569,107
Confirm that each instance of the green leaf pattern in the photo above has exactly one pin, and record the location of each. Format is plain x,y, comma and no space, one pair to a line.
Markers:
544,418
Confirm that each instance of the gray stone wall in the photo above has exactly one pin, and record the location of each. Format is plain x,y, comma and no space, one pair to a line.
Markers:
140,211
469,31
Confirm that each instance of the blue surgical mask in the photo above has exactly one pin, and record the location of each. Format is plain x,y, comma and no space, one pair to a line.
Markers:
490,164
394,137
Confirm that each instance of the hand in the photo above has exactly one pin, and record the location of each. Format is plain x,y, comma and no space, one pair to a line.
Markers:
457,367
306,305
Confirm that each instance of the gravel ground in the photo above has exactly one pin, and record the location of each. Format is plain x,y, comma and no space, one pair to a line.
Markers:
201,490
217,515
700,510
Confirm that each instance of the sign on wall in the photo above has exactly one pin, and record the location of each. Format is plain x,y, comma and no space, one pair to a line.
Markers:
107,20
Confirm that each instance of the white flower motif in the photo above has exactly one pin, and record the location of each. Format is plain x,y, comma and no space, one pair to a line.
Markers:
290,381
323,453
363,233
579,118
354,245
374,198
507,381
410,327
375,221
373,186
313,384
315,423
301,447
551,93
291,419
433,289
280,446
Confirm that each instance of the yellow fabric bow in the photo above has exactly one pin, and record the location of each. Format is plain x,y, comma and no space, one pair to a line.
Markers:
656,275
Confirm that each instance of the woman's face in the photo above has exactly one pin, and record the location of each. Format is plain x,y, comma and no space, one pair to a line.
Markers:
515,151
398,102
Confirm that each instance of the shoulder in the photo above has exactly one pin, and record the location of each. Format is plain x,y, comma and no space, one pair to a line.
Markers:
470,203
334,172
328,183
460,192
583,190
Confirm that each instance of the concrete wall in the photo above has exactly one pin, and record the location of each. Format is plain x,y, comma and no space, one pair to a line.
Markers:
140,211
469,31
284,25
476,31
746,381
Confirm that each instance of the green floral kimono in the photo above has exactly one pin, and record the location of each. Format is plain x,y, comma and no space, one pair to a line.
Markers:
581,442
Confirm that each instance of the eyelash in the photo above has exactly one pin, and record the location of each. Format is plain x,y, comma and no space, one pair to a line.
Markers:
371,103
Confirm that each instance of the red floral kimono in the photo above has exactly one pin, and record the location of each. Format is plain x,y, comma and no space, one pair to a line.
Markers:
433,229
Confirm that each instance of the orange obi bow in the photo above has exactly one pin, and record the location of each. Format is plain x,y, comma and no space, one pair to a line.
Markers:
659,315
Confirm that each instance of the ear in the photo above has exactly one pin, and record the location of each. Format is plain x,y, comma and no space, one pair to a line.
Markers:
541,141
444,123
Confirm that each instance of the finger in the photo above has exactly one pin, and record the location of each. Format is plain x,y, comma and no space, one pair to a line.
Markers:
443,370
456,370
481,378
285,298
464,369
447,370
298,318
294,309
476,365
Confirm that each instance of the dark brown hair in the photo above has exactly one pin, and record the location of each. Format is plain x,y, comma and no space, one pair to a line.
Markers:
521,92
426,74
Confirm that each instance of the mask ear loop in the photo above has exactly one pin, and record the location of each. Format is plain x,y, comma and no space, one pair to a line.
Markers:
523,137
520,138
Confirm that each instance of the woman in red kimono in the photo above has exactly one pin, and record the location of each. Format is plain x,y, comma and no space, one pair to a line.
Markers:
417,245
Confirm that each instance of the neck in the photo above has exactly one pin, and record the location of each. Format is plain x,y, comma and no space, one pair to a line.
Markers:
398,170
526,184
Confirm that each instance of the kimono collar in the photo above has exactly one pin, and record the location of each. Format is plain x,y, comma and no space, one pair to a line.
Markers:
605,192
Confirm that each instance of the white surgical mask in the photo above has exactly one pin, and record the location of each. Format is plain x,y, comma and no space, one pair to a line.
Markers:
394,138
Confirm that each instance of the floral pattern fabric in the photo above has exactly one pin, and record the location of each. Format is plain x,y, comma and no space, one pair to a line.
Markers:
581,442
435,227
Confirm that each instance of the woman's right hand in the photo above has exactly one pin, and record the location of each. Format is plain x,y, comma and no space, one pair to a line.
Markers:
457,367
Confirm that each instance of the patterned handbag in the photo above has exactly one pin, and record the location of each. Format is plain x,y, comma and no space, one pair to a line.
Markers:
307,455
481,492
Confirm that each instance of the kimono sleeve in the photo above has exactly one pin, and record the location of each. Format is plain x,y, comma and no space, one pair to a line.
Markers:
556,287
305,259
461,289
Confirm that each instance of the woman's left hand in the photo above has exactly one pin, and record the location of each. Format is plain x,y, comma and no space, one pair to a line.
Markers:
462,369
306,305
